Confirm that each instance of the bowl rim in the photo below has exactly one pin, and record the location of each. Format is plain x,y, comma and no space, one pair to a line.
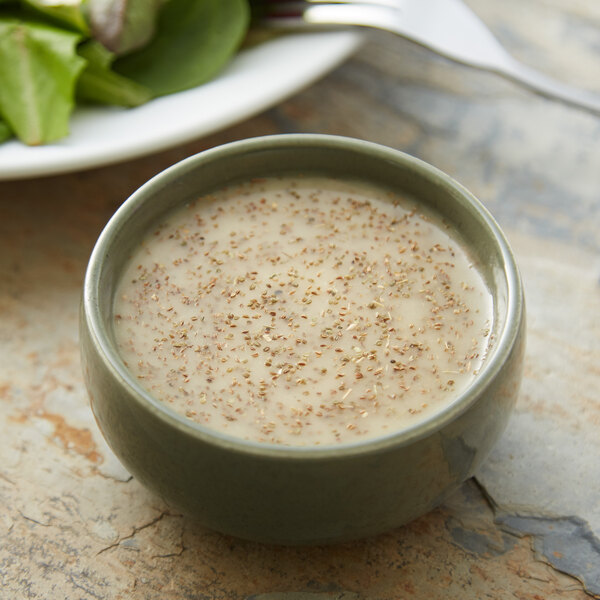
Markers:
504,342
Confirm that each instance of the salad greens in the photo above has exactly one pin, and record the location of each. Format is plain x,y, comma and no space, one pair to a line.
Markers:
54,53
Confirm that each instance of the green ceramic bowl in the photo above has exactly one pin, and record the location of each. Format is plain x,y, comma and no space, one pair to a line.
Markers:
296,495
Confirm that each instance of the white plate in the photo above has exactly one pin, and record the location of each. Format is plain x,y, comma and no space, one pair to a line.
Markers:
258,78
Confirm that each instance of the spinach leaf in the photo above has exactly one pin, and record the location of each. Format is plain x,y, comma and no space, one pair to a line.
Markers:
38,70
98,83
193,41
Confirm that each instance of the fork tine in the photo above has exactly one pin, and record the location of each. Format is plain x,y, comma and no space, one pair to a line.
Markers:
395,4
325,13
295,8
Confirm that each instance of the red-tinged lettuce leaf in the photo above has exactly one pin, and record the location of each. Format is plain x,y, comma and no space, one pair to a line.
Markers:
122,25
194,40
39,67
99,84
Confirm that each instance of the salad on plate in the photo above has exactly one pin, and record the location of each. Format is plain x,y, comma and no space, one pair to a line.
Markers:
55,54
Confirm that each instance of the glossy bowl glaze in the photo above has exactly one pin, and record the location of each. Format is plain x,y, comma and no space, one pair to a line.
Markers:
295,495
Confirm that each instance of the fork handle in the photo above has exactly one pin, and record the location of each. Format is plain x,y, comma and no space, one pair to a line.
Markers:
549,87
386,15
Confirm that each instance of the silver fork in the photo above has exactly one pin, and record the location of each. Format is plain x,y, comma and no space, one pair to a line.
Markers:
448,27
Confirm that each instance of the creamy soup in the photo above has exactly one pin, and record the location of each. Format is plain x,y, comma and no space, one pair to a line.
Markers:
303,311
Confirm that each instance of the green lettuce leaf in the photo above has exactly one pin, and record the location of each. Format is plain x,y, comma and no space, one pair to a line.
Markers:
39,67
194,40
94,52
5,132
68,12
98,83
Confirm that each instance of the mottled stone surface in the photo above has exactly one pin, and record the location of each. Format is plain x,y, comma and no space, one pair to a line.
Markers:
74,525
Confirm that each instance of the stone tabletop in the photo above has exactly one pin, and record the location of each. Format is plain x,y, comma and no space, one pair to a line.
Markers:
75,525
